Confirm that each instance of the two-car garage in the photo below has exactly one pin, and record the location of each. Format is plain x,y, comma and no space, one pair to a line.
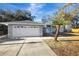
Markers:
24,30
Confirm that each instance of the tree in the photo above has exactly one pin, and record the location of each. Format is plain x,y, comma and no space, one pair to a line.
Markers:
75,22
62,19
75,14
23,15
17,15
6,15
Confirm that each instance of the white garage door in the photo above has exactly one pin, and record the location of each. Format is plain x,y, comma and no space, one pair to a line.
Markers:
21,31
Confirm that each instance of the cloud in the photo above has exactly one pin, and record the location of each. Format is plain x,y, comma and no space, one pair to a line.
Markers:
35,8
39,10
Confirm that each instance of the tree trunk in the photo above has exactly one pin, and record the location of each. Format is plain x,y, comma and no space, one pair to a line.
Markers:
57,32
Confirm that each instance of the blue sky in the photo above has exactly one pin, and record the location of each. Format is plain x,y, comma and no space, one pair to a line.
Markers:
38,10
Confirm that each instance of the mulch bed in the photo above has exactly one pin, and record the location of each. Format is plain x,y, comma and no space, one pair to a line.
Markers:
64,47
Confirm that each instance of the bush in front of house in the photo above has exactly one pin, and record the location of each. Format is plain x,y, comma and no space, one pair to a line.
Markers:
3,29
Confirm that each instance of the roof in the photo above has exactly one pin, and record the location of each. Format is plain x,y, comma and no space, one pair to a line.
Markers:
22,22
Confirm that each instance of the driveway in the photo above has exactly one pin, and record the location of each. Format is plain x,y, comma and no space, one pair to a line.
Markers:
28,46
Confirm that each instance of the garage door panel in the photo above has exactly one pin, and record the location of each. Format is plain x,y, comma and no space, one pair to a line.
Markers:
28,31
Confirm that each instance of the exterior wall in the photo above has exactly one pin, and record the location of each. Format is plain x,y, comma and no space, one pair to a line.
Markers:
68,28
49,31
62,29
14,32
41,30
9,31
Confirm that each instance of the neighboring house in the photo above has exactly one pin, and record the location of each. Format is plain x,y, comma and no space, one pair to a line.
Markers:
26,28
68,28
50,29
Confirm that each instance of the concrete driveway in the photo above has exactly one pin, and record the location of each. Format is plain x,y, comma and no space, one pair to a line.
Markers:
28,46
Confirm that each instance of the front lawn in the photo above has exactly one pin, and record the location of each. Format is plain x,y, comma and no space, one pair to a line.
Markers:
64,47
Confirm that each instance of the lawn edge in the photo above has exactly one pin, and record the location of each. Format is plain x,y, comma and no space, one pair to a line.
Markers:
50,50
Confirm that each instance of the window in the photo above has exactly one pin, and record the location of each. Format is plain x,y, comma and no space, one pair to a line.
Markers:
17,26
35,27
21,26
14,26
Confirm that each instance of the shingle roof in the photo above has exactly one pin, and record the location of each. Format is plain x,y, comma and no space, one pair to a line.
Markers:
22,22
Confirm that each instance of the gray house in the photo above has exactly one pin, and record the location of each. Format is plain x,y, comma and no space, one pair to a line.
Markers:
17,29
26,28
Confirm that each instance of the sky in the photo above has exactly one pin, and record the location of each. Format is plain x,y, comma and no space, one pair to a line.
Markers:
37,9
